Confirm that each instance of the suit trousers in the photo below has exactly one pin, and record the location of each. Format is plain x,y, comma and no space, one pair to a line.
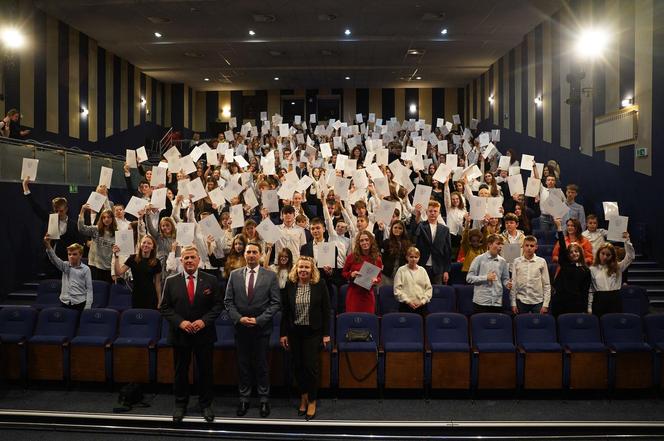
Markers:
252,349
305,347
182,360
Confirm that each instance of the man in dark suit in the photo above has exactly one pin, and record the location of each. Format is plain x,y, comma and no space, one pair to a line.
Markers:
432,238
252,299
191,303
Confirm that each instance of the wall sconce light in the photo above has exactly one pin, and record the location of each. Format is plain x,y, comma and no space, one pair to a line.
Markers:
413,108
491,99
538,101
143,101
627,102
84,112
226,112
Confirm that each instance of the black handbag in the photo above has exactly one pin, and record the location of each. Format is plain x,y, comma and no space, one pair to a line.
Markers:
358,335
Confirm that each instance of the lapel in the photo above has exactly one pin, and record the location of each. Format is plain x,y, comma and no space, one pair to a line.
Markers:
427,230
199,285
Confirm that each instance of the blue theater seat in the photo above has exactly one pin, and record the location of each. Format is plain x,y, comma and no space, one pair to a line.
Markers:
119,297
358,361
100,293
443,299
48,348
402,347
494,353
447,364
48,294
134,351
540,363
387,303
224,356
654,324
464,296
16,326
634,300
90,350
630,363
585,364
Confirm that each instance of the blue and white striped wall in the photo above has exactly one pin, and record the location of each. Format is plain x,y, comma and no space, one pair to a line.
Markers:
63,70
538,66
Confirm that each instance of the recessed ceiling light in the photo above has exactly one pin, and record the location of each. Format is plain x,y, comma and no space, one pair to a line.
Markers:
292,103
251,32
444,31
347,32
276,78
348,78
206,79
413,52
418,78
157,34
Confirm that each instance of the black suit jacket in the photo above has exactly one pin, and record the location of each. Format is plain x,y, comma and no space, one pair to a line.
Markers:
440,249
175,307
319,308
70,237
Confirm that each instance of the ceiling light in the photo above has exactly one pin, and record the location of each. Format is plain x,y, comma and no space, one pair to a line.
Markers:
292,103
347,32
347,78
591,43
84,112
444,31
491,99
413,52
251,32
418,78
157,34
143,101
276,78
13,38
626,102
538,101
413,108
275,53
206,79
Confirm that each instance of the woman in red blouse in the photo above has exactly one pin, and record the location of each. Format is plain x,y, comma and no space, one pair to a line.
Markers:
359,299
574,236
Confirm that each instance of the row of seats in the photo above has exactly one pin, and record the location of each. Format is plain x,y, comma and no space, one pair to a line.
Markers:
446,298
443,351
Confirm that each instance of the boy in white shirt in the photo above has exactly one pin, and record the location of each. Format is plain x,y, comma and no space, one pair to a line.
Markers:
531,288
596,236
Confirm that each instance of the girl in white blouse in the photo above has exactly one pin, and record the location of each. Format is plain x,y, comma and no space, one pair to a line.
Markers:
412,286
606,275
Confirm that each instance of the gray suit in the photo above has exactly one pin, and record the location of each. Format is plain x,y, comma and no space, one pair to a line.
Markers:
252,343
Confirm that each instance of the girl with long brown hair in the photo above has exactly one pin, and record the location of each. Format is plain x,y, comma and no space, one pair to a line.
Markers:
359,299
103,238
146,272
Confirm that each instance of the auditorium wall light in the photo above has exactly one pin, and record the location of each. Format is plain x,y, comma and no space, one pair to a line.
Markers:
627,102
538,101
591,43
491,99
226,111
143,101
12,38
84,112
413,108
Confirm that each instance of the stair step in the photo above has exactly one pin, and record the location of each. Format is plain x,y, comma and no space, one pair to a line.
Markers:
648,271
644,279
22,295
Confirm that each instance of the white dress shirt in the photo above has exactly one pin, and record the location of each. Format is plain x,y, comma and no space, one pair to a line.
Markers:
247,273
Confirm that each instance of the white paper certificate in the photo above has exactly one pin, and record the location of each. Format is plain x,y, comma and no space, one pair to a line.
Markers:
185,233
324,255
53,226
124,239
367,274
29,169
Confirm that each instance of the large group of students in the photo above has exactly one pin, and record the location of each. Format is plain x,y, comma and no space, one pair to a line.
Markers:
362,204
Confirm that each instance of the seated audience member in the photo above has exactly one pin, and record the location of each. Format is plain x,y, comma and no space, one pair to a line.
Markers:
412,286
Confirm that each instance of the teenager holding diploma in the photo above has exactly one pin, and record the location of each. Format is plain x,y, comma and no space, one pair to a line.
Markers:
101,248
574,235
359,299
573,280
146,271
76,291
606,276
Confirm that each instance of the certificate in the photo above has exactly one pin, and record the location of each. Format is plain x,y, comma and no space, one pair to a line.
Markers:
324,255
270,200
96,201
617,226
185,233
135,205
269,232
237,216
511,251
124,239
53,226
105,176
367,274
210,227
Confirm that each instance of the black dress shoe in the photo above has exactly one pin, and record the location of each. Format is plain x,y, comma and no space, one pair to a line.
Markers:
178,414
301,412
265,410
242,408
310,417
208,414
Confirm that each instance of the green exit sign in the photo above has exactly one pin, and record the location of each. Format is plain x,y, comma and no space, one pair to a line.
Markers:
641,152
73,188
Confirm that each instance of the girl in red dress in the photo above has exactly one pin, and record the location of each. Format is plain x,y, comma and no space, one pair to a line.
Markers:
359,299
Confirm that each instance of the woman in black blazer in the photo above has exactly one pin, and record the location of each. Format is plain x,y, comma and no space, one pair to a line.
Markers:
305,324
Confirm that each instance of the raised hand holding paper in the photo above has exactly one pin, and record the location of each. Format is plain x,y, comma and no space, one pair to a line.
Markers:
29,169
124,239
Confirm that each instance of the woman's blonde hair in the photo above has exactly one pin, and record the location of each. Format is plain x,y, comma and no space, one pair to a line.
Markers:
315,274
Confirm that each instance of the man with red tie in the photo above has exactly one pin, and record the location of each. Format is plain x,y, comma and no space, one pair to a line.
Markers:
252,299
191,303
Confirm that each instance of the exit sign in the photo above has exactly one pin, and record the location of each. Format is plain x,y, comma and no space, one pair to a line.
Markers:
641,152
73,188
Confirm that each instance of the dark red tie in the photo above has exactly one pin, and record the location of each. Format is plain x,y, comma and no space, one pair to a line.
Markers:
250,287
190,289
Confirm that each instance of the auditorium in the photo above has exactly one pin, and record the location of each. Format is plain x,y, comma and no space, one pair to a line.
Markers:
286,219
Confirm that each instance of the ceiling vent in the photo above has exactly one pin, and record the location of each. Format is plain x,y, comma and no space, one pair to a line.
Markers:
415,52
433,16
275,53
327,52
264,18
194,54
326,17
159,20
